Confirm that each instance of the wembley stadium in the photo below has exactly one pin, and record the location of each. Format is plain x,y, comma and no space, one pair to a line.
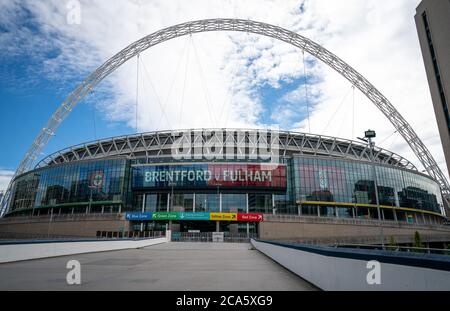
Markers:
138,179
244,182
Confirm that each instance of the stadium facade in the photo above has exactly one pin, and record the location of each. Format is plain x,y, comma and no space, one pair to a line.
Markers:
226,180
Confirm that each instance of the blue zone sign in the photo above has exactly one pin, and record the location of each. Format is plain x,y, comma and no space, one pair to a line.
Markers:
138,216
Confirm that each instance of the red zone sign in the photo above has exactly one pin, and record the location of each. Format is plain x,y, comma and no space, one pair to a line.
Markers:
250,217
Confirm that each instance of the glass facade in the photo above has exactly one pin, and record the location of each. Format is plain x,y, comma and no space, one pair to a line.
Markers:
76,184
234,203
344,181
260,203
182,202
306,185
207,202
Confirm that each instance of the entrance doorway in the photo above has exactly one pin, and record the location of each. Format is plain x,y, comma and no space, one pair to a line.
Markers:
197,226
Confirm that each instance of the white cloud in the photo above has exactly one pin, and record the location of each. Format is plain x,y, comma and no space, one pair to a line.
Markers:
377,38
5,178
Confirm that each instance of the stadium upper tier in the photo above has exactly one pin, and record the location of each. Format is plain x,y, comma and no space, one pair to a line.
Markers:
161,144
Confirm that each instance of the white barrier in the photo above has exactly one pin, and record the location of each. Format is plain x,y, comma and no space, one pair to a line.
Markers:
36,250
338,274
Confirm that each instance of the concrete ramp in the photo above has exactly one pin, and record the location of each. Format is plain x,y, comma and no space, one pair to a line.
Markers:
334,269
28,250
168,266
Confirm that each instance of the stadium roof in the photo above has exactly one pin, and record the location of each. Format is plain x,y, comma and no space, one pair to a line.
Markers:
160,144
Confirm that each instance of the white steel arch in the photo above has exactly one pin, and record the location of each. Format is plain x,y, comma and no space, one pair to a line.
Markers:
220,24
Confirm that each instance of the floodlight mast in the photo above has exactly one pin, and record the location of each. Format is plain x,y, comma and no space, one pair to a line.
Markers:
239,25
368,136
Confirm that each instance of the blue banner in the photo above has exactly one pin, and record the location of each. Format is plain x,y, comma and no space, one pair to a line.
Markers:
138,216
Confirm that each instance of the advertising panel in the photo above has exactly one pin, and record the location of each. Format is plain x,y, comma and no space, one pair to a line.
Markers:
227,175
97,179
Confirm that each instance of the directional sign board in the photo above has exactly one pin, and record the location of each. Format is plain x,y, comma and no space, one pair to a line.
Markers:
251,217
193,216
166,216
223,216
138,216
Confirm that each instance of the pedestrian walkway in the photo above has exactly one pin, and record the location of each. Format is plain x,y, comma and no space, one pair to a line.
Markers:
169,266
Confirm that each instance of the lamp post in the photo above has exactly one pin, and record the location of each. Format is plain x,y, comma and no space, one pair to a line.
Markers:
218,196
171,184
219,201
368,136
90,198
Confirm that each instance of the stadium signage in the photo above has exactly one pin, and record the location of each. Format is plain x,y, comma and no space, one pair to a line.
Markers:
250,217
165,216
97,180
200,175
193,216
224,216
138,216
210,175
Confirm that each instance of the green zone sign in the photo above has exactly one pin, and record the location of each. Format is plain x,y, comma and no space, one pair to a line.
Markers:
180,216
166,216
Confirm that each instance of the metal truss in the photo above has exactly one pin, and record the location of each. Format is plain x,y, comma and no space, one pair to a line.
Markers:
209,25
161,144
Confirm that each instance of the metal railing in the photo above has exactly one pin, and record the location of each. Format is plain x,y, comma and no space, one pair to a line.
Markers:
397,248
208,237
99,235
130,234
368,240
62,217
38,236
351,221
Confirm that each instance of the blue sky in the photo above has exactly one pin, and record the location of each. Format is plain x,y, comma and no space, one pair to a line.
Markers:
26,107
242,80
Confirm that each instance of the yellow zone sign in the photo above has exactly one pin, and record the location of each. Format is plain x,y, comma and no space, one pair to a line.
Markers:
223,216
